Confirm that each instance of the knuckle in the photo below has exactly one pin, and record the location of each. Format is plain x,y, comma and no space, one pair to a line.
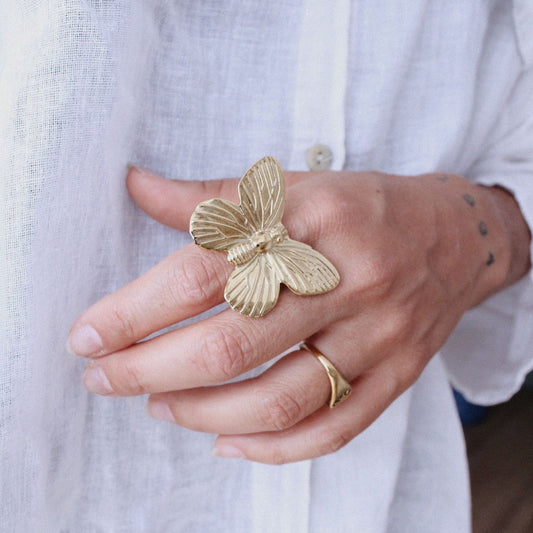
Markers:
211,188
410,369
183,418
325,213
402,381
392,384
277,455
225,353
279,411
398,378
380,272
132,380
331,208
394,329
124,317
376,275
192,281
332,441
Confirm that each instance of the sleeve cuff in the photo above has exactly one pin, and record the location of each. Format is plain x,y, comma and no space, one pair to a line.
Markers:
491,351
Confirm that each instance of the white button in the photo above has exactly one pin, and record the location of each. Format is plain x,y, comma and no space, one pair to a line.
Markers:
319,157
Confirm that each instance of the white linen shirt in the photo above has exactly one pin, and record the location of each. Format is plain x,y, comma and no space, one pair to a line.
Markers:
202,89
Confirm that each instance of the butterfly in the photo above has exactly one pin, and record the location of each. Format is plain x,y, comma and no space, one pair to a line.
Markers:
257,243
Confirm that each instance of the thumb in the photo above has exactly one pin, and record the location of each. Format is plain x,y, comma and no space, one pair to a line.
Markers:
171,202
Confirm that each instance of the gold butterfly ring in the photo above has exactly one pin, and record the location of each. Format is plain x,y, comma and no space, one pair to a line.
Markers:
258,244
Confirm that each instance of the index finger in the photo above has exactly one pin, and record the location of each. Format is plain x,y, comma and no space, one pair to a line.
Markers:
184,284
171,202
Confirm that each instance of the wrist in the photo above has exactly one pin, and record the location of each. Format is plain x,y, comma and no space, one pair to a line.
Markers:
487,236
514,230
475,237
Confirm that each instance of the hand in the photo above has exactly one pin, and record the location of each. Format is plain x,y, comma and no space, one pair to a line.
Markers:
413,254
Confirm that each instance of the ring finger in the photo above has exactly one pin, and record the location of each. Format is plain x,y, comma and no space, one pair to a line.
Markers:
289,391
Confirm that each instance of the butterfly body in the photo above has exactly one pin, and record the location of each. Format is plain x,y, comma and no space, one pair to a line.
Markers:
257,243
260,242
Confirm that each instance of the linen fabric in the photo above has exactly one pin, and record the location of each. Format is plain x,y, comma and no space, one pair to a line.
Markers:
198,90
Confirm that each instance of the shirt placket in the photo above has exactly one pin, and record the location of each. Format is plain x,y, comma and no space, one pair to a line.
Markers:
318,141
281,494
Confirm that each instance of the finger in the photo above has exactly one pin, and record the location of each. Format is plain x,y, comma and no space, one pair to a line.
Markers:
325,431
184,284
171,202
287,392
209,352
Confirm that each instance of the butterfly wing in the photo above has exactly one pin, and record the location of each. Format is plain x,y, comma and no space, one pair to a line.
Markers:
302,269
262,194
253,288
218,225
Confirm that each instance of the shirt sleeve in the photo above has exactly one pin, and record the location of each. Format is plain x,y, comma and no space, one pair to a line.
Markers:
491,350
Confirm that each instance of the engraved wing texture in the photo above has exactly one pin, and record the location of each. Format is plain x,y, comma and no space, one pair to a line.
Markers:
218,225
252,288
262,194
302,269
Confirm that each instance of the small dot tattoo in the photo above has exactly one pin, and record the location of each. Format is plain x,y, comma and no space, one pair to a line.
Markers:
444,179
491,259
483,228
469,200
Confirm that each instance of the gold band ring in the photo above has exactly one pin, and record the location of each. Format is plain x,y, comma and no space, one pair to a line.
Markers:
340,388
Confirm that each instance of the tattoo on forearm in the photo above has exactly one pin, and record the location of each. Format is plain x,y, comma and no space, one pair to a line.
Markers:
469,200
483,228
444,179
491,259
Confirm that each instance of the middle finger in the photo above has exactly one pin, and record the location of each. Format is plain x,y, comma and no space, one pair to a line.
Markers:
209,352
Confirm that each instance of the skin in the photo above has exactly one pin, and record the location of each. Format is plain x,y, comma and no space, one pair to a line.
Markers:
413,253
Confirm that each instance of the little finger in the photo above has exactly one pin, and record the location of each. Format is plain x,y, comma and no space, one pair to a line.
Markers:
325,431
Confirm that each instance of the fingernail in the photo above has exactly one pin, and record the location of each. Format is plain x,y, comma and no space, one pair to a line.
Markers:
160,410
95,380
227,450
84,341
140,169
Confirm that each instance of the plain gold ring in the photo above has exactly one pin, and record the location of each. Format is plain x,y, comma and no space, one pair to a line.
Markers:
340,388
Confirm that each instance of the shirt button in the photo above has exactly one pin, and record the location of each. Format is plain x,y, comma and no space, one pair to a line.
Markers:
319,157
